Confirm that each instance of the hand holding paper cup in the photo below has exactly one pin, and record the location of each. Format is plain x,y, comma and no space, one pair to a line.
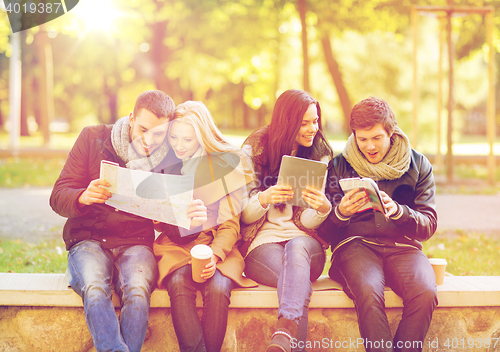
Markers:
201,255
439,266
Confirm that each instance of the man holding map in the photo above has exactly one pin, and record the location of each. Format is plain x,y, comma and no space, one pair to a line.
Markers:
371,248
109,248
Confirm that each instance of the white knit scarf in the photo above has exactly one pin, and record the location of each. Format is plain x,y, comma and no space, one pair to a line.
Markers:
190,165
120,138
394,164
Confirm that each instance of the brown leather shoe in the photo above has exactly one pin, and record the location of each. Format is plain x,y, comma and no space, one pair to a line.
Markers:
286,330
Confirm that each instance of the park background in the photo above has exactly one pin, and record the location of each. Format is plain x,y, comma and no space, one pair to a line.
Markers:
88,66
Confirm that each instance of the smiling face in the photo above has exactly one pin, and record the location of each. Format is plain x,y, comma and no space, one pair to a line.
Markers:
308,128
147,131
374,142
182,139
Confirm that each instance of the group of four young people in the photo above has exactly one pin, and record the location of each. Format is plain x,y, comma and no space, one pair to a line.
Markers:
285,245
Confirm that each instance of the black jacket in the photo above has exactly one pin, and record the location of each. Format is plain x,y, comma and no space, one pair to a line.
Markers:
414,191
100,222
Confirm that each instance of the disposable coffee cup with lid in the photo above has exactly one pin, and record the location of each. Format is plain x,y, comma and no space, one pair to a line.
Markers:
439,266
201,255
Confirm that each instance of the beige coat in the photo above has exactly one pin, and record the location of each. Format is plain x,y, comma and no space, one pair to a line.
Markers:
221,231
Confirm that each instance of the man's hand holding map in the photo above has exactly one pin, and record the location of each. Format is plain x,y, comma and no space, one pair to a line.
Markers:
154,196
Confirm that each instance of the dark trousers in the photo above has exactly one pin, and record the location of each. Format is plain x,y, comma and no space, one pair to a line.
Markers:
364,269
194,335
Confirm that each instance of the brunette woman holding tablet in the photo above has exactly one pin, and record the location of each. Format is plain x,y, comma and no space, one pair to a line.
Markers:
284,251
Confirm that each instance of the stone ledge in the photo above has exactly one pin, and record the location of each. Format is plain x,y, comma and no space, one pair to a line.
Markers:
51,290
38,312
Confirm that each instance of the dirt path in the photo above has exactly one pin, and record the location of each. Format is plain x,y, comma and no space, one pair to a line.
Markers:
25,213
469,212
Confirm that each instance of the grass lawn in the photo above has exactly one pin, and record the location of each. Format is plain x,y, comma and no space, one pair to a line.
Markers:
17,256
466,254
21,172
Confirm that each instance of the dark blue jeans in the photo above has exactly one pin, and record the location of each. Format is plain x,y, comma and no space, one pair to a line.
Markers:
193,335
365,269
91,272
291,267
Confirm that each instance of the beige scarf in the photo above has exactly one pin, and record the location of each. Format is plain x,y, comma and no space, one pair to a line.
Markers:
394,165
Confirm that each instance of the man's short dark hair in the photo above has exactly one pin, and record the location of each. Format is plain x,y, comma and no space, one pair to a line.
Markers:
157,102
370,112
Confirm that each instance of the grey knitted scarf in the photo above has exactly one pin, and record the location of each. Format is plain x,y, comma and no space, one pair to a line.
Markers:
120,138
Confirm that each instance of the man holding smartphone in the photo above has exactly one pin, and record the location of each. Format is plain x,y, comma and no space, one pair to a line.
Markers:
370,249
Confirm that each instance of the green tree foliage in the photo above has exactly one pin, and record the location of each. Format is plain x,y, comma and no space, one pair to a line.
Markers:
238,55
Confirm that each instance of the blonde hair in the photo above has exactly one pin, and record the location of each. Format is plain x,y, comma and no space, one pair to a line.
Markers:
209,136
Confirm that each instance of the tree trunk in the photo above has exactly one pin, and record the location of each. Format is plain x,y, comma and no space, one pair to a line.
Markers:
160,55
109,110
113,106
451,102
36,96
244,108
301,7
25,103
334,69
262,116
1,116
25,82
44,52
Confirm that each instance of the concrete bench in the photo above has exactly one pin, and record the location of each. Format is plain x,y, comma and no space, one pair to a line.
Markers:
38,312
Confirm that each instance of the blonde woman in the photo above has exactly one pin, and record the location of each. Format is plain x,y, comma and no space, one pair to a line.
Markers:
201,150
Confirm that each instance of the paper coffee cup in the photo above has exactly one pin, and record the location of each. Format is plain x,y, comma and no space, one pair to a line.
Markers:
201,254
439,266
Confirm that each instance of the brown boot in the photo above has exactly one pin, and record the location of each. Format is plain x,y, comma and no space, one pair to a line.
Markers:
286,330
